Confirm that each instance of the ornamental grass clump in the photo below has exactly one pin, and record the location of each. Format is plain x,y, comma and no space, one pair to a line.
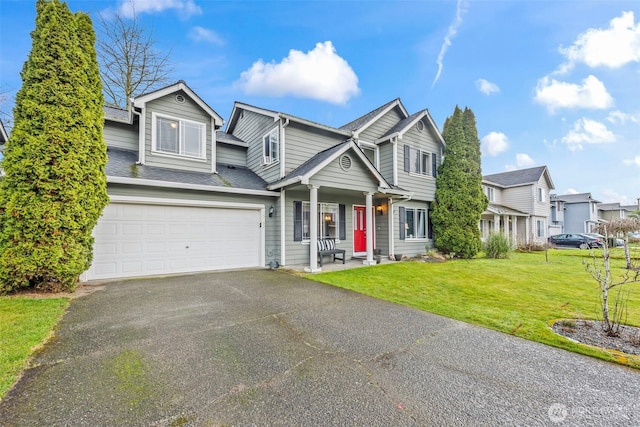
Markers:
497,246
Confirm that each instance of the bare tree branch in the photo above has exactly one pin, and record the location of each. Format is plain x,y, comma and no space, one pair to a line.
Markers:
129,63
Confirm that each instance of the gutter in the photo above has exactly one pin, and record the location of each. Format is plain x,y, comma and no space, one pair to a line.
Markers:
183,186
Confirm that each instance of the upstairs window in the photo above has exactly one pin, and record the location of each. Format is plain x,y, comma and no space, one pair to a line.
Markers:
178,136
270,150
490,194
541,194
420,162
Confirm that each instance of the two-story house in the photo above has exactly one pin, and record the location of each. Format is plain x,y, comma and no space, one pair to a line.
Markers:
518,205
187,196
575,213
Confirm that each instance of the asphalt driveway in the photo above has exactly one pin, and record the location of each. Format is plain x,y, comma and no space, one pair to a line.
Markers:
270,348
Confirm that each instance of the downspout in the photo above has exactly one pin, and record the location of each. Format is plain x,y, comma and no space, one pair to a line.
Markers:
213,146
283,242
141,130
392,245
394,141
283,124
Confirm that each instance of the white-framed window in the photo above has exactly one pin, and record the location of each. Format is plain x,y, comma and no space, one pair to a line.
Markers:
415,223
419,161
540,228
328,220
179,137
490,192
271,147
541,195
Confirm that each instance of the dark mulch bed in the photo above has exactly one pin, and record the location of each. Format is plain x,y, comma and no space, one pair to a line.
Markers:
590,332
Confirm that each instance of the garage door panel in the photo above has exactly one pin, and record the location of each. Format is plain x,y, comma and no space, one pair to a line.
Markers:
137,240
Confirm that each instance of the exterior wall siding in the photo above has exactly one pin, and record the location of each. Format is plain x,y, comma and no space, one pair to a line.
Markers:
386,161
231,155
252,127
188,110
121,135
382,125
302,143
358,178
519,198
409,247
423,186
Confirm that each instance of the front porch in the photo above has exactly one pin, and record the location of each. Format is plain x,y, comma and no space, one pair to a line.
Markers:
329,266
511,223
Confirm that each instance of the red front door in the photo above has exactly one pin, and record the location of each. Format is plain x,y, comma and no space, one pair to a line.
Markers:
359,229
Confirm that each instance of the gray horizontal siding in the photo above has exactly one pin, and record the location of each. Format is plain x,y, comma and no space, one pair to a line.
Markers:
121,135
358,178
231,155
252,127
410,247
386,161
303,142
382,125
423,187
188,110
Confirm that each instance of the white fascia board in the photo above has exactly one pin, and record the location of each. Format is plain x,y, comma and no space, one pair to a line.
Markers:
183,186
433,124
396,103
142,100
395,192
293,180
241,106
315,125
184,202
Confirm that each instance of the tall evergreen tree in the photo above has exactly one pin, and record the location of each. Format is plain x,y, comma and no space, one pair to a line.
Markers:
459,198
55,186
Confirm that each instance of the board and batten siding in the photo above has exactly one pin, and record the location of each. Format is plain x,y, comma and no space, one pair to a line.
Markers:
272,225
382,125
302,143
121,135
231,154
187,110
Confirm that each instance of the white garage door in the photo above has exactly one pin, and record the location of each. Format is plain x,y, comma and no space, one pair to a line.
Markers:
143,239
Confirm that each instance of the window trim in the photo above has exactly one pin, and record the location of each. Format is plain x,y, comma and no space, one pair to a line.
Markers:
426,159
404,222
155,116
306,207
269,160
490,193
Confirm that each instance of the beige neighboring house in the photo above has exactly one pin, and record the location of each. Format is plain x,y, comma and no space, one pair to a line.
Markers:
609,211
519,205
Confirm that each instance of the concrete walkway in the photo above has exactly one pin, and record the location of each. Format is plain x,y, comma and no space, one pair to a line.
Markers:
270,348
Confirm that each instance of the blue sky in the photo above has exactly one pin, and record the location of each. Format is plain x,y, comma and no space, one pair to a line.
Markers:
553,83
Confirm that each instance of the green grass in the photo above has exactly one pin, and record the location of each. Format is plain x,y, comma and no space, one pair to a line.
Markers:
25,323
521,295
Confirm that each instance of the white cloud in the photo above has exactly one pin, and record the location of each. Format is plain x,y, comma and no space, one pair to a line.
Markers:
186,8
572,191
319,74
623,118
586,131
611,196
524,160
451,33
486,87
556,94
200,34
632,162
612,47
494,143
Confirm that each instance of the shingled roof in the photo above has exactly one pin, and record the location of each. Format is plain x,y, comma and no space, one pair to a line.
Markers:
518,177
356,124
122,163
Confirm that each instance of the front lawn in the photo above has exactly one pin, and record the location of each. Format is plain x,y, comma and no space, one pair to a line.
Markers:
24,324
518,296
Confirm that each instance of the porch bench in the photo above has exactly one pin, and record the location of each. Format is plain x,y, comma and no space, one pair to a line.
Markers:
327,246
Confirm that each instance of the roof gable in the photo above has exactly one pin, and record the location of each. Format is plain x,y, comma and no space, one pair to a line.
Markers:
141,100
519,177
406,124
305,171
360,124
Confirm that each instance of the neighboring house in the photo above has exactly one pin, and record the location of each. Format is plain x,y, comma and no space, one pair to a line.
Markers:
575,213
519,205
187,196
609,211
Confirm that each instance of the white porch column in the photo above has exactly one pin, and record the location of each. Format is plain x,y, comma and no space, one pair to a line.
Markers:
526,230
369,232
515,231
506,226
496,224
313,229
